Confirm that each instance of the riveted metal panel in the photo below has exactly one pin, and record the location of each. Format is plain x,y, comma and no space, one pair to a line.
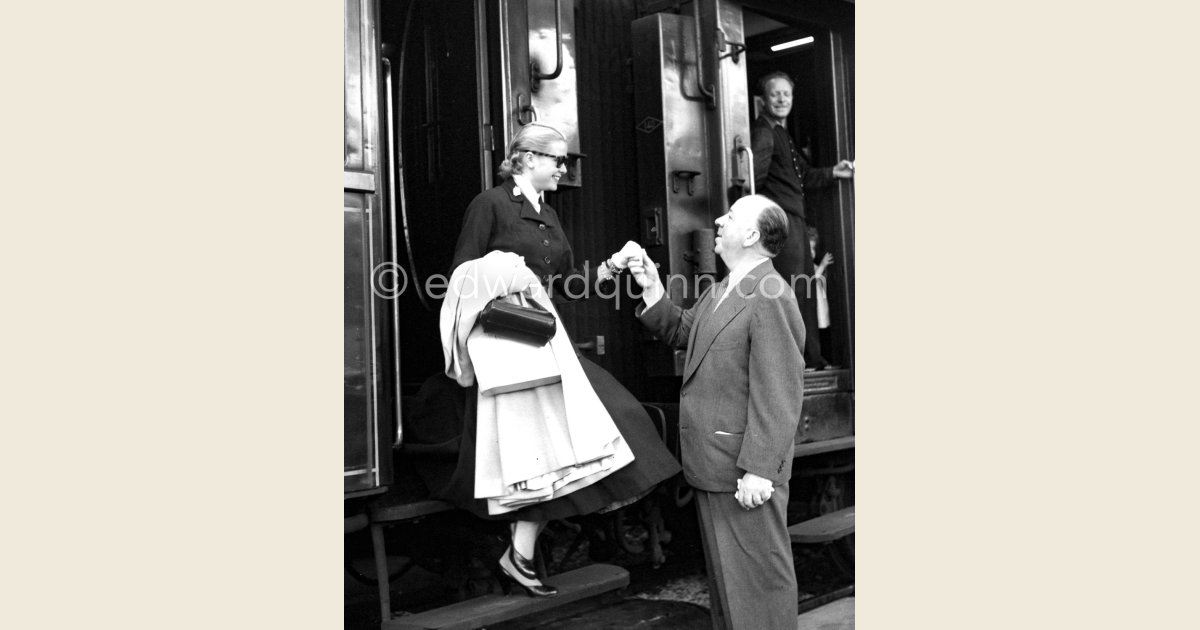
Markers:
365,468
825,417
672,147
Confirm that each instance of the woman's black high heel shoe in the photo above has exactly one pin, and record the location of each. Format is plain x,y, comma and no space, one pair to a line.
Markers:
524,566
534,590
515,567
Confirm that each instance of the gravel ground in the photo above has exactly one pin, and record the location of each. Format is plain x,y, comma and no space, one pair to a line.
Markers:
691,589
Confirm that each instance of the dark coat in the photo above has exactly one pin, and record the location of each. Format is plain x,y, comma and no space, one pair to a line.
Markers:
501,220
782,174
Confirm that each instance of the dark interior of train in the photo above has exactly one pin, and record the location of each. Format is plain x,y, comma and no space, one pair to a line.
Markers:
430,48
771,46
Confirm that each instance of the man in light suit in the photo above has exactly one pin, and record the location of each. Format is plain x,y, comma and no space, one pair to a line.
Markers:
739,407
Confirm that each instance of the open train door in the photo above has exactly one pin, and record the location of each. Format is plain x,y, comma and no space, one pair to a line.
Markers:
813,42
366,468
693,141
696,66
459,80
695,105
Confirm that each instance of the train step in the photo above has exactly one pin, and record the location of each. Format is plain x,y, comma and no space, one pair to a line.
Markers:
572,586
390,510
824,528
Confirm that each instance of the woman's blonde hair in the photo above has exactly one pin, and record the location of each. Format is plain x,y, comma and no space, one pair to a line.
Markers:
535,136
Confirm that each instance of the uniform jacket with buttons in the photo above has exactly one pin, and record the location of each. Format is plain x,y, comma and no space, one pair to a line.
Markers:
743,379
782,173
502,219
776,164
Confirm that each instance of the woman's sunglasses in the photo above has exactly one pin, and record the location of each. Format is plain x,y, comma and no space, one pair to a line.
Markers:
559,160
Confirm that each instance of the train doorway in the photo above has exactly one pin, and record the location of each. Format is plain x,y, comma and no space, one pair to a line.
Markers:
814,46
434,107
820,62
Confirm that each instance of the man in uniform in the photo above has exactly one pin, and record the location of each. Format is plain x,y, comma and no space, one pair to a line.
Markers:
783,174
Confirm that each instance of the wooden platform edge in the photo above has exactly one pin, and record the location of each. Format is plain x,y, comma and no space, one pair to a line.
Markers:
387,514
573,586
824,528
824,446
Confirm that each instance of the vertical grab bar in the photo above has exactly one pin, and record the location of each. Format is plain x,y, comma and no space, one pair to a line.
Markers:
558,65
708,91
395,241
374,353
745,148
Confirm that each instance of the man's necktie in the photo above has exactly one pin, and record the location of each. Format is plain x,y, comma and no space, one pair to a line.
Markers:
720,292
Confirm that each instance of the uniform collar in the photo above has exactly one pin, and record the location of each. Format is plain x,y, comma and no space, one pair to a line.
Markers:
522,187
770,122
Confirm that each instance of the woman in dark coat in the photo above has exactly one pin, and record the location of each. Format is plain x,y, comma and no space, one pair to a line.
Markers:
511,217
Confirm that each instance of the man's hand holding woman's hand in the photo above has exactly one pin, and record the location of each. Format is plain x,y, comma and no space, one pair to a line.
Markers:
645,272
629,251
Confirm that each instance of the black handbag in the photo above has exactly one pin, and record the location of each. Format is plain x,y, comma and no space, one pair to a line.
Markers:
529,325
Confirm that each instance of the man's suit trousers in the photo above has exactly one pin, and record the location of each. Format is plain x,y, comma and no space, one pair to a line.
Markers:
751,576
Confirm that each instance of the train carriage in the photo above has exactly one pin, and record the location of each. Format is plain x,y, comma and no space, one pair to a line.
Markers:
658,100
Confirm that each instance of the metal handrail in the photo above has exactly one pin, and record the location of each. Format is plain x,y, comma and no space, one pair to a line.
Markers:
558,66
749,160
709,92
